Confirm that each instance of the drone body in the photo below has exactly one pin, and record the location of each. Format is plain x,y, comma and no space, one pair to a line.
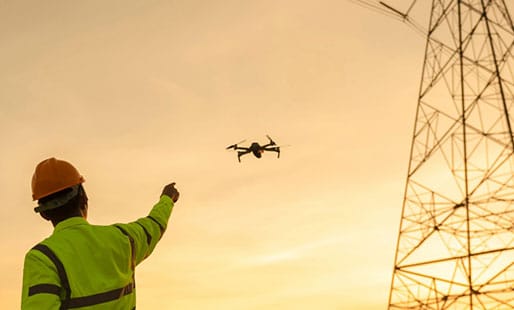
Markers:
255,148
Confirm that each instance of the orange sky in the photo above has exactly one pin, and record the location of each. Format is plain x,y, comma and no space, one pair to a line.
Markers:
137,94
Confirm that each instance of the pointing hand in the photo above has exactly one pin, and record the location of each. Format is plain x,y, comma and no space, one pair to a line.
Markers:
170,191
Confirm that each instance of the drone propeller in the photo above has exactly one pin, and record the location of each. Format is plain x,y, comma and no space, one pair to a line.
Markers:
233,146
271,140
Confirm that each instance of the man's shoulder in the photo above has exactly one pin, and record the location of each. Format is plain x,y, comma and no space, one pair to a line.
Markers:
79,234
36,255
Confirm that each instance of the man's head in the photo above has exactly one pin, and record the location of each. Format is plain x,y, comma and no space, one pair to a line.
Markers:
57,186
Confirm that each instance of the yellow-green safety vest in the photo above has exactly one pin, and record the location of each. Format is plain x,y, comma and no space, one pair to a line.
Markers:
84,266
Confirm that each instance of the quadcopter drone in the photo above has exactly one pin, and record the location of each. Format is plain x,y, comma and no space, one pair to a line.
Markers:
255,148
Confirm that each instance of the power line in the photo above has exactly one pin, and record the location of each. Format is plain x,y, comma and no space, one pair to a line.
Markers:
375,7
387,10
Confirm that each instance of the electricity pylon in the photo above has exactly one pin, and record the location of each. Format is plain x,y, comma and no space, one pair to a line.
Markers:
455,247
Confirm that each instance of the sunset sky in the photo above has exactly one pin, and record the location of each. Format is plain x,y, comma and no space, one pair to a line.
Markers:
137,94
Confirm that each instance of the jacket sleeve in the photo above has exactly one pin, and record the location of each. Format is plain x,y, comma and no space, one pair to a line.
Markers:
147,231
41,285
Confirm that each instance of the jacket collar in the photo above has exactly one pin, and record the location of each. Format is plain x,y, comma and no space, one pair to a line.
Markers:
72,221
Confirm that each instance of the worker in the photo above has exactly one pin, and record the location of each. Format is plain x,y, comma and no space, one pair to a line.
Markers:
82,265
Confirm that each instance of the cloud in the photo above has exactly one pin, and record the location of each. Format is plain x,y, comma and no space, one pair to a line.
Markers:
294,253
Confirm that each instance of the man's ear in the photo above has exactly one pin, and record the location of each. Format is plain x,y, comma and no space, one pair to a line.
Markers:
83,204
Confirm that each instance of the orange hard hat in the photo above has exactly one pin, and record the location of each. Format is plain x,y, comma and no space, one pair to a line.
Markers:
53,175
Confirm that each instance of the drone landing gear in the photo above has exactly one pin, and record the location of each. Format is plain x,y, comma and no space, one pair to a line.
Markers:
239,154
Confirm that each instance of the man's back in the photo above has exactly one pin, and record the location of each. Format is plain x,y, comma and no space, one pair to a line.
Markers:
82,265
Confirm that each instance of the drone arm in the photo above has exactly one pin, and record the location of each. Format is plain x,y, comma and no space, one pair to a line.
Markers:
273,149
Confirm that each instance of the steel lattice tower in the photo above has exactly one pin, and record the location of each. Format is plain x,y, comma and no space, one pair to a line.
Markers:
455,247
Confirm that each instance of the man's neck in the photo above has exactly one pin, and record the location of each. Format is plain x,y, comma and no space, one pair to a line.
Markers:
55,222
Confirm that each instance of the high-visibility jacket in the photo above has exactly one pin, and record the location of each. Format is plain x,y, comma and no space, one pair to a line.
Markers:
88,266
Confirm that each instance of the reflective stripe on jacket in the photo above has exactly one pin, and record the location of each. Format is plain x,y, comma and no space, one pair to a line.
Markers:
88,266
